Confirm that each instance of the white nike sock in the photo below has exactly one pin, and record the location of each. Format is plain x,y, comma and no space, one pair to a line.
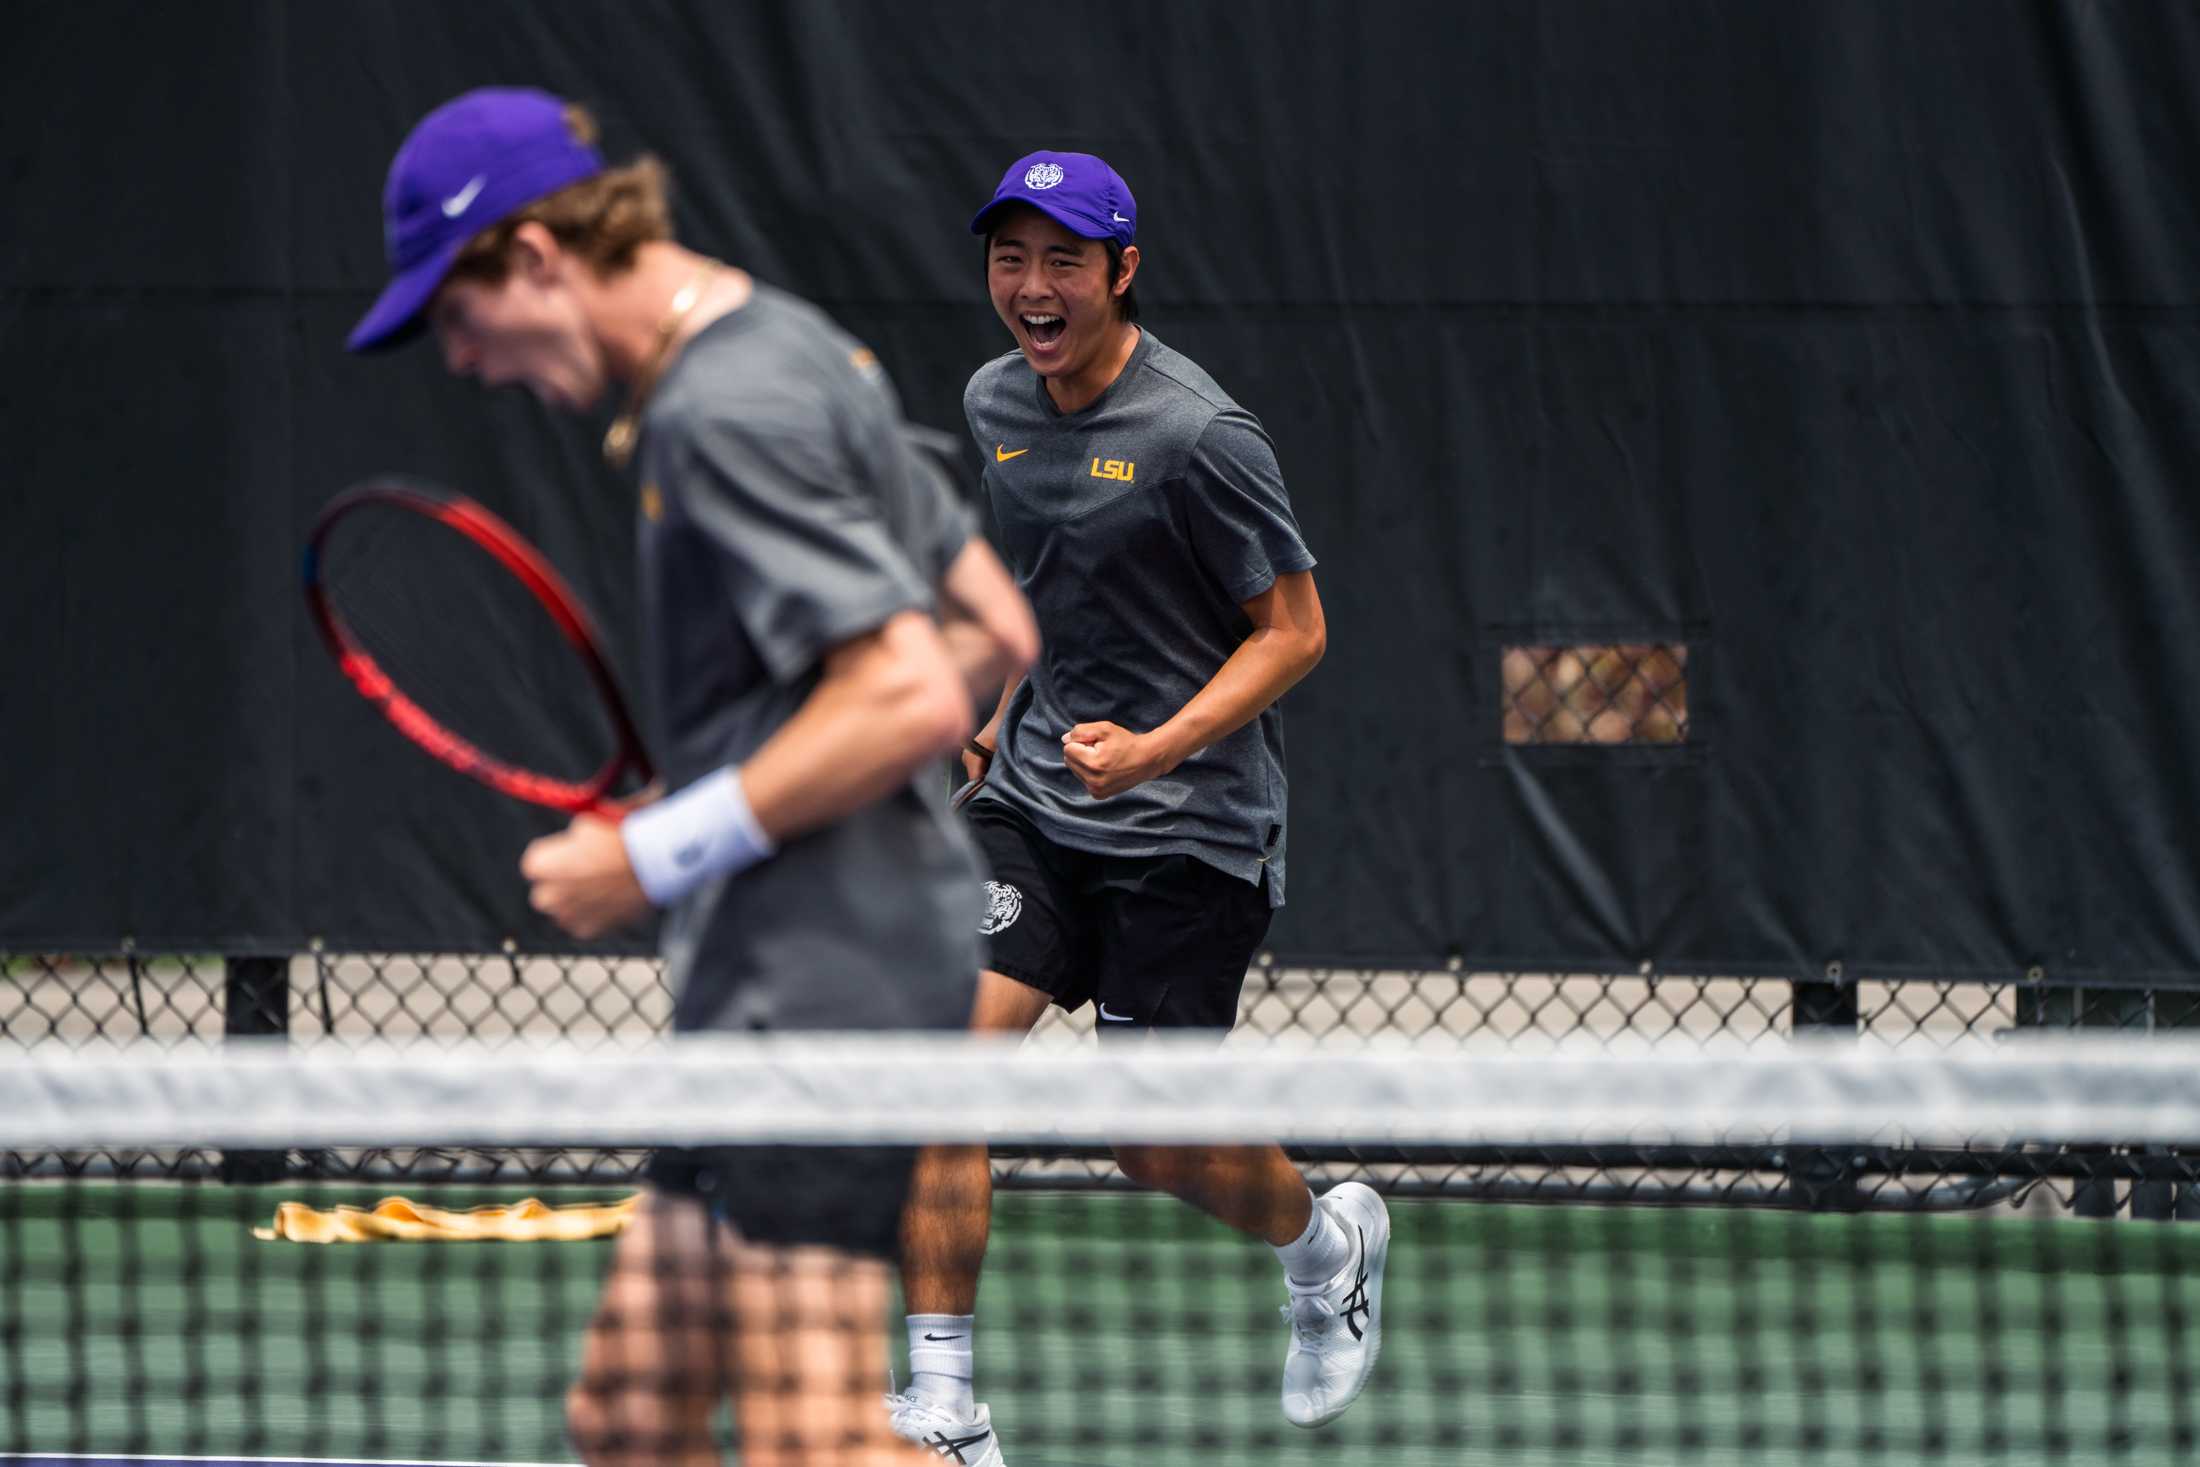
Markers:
940,1367
1320,1251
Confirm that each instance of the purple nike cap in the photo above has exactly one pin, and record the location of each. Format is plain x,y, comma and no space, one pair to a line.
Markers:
468,164
1080,192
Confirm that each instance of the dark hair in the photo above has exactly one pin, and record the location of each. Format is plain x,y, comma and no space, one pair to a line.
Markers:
1127,302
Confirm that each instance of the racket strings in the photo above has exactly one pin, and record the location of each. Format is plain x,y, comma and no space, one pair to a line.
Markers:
467,641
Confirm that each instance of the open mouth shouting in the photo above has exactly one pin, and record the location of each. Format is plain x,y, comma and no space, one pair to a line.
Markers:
1043,330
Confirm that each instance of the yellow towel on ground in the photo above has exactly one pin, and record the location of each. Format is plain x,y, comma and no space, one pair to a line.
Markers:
397,1220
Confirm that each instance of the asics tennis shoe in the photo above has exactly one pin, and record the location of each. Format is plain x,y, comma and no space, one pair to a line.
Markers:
1337,1327
966,1440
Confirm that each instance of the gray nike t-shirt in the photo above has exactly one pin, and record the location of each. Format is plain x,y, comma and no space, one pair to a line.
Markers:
1137,527
784,511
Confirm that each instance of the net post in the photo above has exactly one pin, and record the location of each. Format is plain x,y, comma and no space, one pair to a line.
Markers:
1820,1180
2174,1009
255,1005
2071,1007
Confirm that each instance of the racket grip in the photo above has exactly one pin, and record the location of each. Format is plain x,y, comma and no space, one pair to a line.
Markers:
616,808
962,796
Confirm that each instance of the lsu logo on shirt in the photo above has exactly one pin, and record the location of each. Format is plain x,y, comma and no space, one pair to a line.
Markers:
1113,468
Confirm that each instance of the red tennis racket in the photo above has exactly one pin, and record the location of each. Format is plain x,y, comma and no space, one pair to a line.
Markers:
472,646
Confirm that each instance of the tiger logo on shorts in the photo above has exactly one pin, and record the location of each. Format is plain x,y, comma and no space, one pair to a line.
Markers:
1003,905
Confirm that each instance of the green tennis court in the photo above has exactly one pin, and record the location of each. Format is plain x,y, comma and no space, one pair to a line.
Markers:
143,1318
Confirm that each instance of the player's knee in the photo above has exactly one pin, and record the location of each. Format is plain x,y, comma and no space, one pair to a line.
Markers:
610,1421
588,1421
1147,1166
1007,1005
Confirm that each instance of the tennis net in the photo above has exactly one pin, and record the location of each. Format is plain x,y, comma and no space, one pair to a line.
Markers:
144,1318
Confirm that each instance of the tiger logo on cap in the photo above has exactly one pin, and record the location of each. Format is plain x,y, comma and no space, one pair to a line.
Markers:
1042,175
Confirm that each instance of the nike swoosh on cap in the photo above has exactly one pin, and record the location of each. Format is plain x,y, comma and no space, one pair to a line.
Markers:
456,204
1002,453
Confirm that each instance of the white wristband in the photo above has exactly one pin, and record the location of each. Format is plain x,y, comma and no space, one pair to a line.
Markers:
684,840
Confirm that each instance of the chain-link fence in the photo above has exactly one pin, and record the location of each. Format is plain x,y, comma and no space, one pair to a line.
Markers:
1604,693
352,999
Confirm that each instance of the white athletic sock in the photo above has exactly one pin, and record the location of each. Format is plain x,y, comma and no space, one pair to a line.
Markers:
940,1367
1320,1251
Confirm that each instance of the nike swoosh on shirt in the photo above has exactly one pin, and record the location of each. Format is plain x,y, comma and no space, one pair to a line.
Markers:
1002,453
456,204
1116,1018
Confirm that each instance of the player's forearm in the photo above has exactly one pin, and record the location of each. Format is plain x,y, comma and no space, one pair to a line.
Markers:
990,735
982,663
1266,665
882,711
985,622
888,702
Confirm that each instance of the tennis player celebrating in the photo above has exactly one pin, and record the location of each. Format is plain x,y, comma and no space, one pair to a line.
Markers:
1131,808
792,562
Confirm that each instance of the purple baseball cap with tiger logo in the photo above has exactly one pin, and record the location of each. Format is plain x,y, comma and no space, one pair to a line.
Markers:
1078,191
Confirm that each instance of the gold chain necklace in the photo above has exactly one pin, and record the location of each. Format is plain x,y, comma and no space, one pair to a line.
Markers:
625,430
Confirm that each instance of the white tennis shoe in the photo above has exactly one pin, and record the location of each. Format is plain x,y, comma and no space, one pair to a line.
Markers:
966,1440
1337,1327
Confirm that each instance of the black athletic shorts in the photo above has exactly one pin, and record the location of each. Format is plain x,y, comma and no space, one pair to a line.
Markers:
845,1197
1156,942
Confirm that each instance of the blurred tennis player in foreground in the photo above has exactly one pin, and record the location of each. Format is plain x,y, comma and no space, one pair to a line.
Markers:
817,617
1130,799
